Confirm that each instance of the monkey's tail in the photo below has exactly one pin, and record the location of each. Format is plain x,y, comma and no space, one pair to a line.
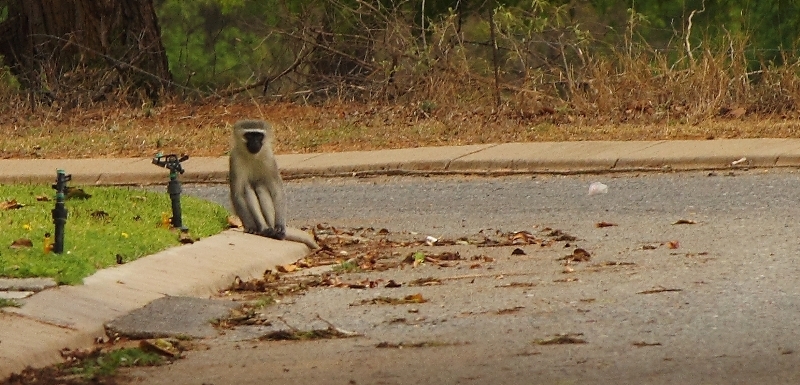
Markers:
297,235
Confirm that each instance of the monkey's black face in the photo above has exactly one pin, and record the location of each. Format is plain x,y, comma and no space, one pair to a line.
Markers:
254,141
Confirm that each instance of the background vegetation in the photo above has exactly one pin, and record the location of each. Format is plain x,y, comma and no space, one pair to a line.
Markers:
529,55
456,71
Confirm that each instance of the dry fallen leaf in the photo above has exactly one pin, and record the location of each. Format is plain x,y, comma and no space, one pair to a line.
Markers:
523,237
80,354
570,279
658,289
518,284
482,258
401,345
413,298
316,334
447,256
10,205
578,255
561,339
427,281
673,244
560,236
604,224
617,263
184,238
77,193
684,222
286,268
99,214
161,346
641,344
21,243
42,198
510,310
234,222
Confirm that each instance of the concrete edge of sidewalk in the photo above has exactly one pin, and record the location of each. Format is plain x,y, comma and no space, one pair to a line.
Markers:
483,159
74,316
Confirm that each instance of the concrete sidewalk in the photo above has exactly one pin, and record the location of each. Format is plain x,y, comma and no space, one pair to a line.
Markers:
73,316
547,157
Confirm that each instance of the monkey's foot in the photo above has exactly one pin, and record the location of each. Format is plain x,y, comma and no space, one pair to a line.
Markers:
274,233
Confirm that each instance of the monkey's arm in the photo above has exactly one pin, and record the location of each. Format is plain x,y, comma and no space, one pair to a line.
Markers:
238,194
276,213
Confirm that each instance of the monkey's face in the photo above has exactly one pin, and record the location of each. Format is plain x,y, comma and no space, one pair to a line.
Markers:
254,140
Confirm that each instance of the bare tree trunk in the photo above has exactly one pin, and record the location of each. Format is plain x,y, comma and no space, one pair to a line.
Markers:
82,50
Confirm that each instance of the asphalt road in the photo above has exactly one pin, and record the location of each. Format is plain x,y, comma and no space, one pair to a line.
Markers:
729,315
455,205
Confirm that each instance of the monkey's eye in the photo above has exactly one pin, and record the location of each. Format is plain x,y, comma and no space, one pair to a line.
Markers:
254,136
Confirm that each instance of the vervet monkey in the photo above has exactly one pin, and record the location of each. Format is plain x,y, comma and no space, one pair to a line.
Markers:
256,187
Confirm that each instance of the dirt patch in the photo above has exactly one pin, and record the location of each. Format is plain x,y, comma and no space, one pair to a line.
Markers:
204,129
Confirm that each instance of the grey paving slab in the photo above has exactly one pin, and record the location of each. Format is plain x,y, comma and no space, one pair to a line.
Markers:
83,171
172,317
200,170
386,161
125,171
215,169
15,294
79,307
287,161
549,156
26,284
713,154
119,171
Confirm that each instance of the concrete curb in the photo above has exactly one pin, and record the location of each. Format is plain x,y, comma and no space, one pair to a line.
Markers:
74,316
544,157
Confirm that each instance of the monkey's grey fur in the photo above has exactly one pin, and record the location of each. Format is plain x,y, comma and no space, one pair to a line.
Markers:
256,186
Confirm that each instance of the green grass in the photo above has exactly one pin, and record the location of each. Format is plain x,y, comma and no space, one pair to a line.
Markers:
264,301
346,267
8,303
113,221
107,363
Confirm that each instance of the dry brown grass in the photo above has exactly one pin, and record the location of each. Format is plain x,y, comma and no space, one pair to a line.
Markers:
202,130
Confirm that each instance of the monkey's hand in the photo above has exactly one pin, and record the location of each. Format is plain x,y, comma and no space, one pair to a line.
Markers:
277,232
